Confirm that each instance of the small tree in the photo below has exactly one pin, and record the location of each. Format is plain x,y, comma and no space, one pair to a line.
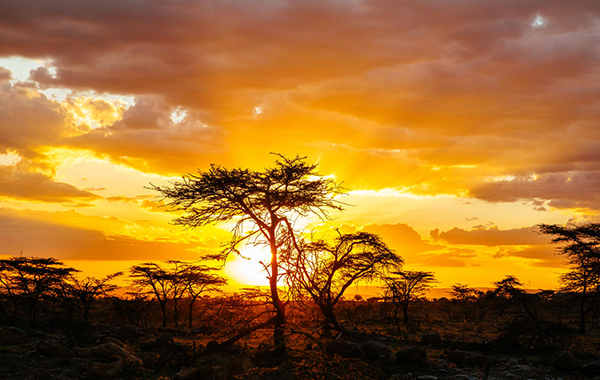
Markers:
151,278
464,294
511,288
264,205
198,279
28,280
326,270
88,290
581,245
403,287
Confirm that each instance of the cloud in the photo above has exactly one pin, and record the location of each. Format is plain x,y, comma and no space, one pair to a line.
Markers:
19,183
491,236
45,239
544,256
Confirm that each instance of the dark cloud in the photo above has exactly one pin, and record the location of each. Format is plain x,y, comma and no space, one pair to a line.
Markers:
43,239
19,183
492,236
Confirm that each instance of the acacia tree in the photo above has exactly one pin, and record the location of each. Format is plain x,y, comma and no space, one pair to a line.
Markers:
151,278
28,280
464,294
325,271
264,205
403,287
198,279
581,245
89,289
510,287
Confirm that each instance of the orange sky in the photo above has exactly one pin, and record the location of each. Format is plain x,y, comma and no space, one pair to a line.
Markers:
457,125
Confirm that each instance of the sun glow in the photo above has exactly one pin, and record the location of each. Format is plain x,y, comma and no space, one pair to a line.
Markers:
249,271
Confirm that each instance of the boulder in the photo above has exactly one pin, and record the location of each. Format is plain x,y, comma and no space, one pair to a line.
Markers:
211,372
82,352
431,339
469,359
97,370
344,349
564,361
591,369
110,351
110,339
53,348
412,356
12,336
239,366
187,374
376,350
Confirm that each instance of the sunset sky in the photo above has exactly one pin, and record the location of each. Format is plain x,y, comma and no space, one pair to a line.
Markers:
456,126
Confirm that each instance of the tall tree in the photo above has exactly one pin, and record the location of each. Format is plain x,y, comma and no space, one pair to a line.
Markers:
403,287
581,246
264,205
30,279
325,270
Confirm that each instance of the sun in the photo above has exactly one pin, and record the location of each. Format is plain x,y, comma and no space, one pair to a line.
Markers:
249,271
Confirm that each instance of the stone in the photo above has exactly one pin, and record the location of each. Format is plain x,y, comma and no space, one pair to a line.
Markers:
53,348
187,373
591,369
82,352
344,349
564,361
12,336
468,359
430,339
412,356
211,372
427,377
239,366
376,350
110,339
97,370
110,351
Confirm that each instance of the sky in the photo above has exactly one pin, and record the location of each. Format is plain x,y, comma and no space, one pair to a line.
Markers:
456,126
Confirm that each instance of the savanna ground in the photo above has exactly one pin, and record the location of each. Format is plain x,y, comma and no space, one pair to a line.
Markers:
491,339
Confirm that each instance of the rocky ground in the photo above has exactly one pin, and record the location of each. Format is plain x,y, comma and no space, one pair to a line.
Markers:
127,352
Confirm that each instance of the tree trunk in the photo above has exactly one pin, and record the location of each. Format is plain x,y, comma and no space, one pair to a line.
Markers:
191,312
405,312
278,333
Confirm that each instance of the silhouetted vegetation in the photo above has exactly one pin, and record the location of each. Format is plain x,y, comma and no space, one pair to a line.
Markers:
174,320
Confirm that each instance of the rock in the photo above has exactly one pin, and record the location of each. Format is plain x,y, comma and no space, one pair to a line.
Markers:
110,351
344,349
239,366
412,356
513,361
53,348
591,369
430,339
564,361
111,370
82,352
110,339
211,372
129,334
187,374
12,336
468,359
427,377
521,371
376,350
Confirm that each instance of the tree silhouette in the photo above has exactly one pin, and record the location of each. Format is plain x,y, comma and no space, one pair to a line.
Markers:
87,291
264,205
464,294
151,278
403,287
326,270
198,279
581,245
511,288
28,280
